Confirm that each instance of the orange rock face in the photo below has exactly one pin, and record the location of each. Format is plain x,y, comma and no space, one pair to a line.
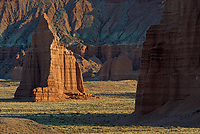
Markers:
170,57
88,22
94,22
119,68
50,71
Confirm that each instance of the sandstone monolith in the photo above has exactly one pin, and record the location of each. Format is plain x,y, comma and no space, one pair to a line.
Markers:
120,62
170,66
50,71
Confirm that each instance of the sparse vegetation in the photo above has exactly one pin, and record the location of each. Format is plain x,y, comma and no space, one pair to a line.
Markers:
117,101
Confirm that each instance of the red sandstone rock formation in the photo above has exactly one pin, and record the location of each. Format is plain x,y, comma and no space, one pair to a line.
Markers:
96,60
105,70
50,71
91,21
79,48
108,55
119,68
170,58
88,67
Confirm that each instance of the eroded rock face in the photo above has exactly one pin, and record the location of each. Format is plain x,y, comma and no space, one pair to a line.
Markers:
118,68
122,63
118,62
170,67
10,57
121,68
16,73
50,71
93,21
87,22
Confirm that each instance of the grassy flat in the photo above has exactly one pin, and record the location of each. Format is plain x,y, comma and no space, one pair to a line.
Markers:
99,116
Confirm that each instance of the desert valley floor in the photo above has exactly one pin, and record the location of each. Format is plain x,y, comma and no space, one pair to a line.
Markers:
99,116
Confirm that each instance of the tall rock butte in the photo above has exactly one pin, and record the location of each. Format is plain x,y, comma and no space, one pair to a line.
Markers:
170,66
50,71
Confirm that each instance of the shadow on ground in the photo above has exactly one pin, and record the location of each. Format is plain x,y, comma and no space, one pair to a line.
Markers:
15,100
117,95
73,119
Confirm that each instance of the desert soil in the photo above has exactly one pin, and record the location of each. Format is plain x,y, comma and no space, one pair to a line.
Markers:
99,116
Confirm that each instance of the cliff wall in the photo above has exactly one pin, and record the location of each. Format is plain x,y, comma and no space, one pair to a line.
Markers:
120,62
170,67
94,22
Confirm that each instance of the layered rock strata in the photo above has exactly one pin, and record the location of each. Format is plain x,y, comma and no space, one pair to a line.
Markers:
87,22
93,21
116,62
10,57
170,66
118,68
50,71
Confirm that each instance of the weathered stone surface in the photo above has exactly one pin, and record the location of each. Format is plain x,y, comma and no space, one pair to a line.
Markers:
170,57
96,60
16,73
88,66
103,57
118,68
78,48
105,70
50,71
95,22
120,63
135,57
8,52
121,68
86,22
10,57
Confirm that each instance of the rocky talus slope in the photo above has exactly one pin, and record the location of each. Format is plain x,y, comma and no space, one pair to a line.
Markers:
95,22
50,71
170,66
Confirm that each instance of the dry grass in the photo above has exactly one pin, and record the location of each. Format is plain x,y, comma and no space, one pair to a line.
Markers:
117,101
